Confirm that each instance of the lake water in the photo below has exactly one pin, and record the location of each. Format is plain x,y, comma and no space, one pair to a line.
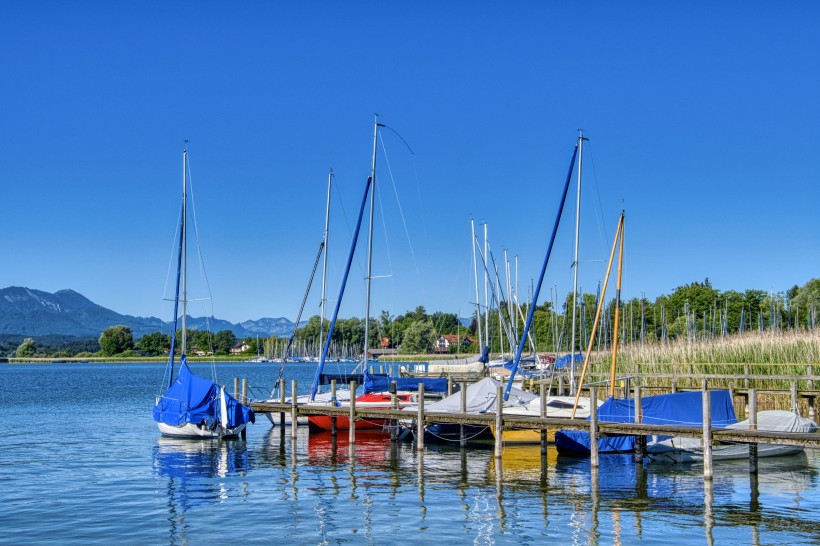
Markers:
82,462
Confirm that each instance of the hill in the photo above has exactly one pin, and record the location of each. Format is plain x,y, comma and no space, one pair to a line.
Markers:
34,313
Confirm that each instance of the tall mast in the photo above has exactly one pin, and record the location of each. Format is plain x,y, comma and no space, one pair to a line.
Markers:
184,346
376,126
581,140
324,265
486,292
475,274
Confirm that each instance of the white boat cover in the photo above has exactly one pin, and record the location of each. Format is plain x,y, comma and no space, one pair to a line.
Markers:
480,398
679,449
461,365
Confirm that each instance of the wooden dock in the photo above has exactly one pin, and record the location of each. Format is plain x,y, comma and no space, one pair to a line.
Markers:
596,428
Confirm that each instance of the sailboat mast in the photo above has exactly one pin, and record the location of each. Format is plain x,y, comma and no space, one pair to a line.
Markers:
324,264
581,140
184,231
475,274
376,126
486,293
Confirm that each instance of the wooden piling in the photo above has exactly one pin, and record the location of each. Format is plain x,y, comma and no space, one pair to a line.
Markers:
640,441
420,420
543,395
462,436
293,411
752,426
794,397
236,388
499,432
449,386
351,426
333,428
245,390
394,404
282,401
593,427
561,386
708,472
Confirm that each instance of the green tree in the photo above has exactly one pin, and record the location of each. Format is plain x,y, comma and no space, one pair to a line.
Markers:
806,301
224,340
418,338
154,344
115,340
27,348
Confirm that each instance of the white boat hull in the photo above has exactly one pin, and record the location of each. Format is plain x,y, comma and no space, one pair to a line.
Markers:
190,430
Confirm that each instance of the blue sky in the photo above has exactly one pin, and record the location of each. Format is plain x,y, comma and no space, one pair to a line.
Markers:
702,119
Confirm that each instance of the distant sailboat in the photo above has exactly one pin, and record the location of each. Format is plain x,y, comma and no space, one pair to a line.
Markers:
193,406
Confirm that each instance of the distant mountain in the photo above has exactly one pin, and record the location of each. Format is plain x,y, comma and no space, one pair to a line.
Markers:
34,313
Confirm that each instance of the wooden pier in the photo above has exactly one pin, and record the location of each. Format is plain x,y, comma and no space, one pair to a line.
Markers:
595,427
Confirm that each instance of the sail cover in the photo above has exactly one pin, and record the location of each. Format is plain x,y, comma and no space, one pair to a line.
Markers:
680,408
193,399
381,383
481,397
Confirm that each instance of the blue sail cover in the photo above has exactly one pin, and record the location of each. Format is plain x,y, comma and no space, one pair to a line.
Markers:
193,399
567,359
381,383
680,408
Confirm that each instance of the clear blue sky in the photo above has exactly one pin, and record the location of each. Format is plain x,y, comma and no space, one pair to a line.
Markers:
702,119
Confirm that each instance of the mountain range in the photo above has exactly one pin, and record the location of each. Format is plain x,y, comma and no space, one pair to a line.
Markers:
35,313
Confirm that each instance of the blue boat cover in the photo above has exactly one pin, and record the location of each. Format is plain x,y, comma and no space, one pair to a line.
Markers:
566,359
680,408
193,399
381,383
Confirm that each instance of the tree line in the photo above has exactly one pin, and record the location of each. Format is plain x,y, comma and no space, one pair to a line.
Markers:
695,311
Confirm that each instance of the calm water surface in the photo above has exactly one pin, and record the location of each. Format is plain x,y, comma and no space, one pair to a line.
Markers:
82,462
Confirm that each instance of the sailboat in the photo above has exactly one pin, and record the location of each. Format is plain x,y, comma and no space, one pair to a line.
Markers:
368,399
192,406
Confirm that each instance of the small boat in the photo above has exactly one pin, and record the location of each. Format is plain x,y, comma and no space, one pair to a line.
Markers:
680,408
370,400
688,450
557,406
481,397
192,406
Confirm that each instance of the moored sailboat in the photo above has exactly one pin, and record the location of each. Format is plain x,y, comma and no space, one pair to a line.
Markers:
193,406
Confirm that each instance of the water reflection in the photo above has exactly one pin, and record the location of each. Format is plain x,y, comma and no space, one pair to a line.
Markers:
198,473
556,496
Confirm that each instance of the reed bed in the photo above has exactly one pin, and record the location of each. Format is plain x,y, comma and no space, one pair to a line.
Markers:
762,360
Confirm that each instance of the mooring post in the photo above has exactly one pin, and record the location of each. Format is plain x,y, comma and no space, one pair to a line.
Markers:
707,432
462,435
351,425
809,374
593,427
499,431
561,386
245,390
394,404
746,375
449,386
333,401
236,388
420,420
282,413
795,408
293,410
752,426
543,395
674,386
640,440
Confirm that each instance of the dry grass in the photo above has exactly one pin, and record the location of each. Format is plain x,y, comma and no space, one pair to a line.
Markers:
774,360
